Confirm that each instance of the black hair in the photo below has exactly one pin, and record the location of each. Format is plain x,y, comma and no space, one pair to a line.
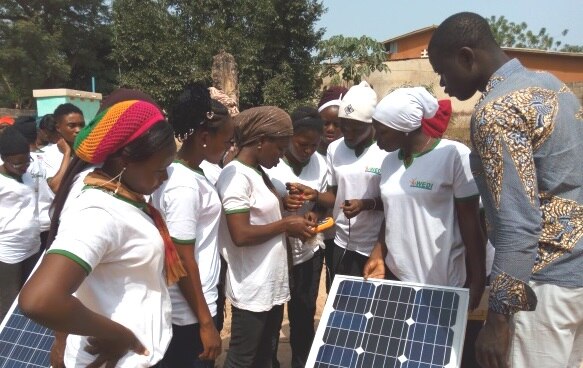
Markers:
66,109
26,125
306,118
12,142
48,123
140,149
195,110
461,30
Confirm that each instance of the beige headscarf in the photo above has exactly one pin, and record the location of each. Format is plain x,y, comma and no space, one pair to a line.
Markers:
263,121
225,99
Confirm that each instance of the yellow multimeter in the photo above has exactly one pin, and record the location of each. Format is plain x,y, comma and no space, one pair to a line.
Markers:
324,224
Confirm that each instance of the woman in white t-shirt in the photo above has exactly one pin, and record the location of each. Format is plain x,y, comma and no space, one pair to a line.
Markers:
103,280
301,164
432,228
328,108
192,209
256,252
354,163
19,226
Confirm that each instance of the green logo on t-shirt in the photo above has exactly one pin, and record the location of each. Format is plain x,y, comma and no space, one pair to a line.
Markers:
374,170
414,183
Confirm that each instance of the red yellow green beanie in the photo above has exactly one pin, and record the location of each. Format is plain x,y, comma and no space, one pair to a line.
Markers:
114,128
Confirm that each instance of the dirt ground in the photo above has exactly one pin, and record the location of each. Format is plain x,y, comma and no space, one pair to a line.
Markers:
284,350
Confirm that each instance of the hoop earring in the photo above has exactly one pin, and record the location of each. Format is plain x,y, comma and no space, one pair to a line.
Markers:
119,180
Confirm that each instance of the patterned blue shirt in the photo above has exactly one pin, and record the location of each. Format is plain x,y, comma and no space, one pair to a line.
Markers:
527,133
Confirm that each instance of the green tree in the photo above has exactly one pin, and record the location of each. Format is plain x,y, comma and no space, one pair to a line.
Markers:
352,58
53,43
151,49
572,48
268,38
510,34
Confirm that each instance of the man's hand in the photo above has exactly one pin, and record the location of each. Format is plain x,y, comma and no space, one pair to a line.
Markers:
493,342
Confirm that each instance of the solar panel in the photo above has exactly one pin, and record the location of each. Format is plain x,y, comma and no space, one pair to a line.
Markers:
24,343
381,323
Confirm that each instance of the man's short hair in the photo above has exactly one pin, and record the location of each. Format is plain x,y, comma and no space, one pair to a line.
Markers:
66,109
461,30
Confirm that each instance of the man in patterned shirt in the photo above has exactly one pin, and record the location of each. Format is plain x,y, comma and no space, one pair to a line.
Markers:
527,159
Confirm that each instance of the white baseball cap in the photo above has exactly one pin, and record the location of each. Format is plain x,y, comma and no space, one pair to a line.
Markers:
359,103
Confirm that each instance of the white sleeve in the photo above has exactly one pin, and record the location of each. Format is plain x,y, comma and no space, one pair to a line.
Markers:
331,174
235,191
464,185
86,237
182,211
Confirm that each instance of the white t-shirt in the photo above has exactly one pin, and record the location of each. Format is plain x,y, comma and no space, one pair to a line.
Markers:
19,226
37,169
211,171
355,178
331,232
422,231
313,175
51,162
257,276
192,209
123,254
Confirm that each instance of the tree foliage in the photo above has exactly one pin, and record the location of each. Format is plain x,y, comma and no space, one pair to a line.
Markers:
50,44
151,48
352,58
511,34
270,40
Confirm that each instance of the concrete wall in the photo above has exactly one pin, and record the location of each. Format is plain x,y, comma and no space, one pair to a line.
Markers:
16,112
414,72
418,72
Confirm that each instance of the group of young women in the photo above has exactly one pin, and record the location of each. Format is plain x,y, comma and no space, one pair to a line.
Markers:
132,277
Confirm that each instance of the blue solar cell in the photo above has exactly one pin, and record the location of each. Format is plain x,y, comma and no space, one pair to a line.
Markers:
389,324
23,343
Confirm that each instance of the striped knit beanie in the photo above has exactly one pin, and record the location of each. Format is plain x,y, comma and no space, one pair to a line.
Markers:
115,127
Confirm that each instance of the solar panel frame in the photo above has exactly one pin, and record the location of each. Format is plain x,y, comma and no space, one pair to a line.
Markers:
23,342
352,327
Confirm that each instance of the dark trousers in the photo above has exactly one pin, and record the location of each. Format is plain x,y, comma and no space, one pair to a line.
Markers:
221,298
302,307
346,262
254,337
185,347
328,260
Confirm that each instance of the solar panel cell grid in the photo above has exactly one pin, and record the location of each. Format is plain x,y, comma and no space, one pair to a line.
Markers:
389,324
23,343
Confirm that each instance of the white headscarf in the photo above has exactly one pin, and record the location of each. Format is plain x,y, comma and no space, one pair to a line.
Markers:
404,108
